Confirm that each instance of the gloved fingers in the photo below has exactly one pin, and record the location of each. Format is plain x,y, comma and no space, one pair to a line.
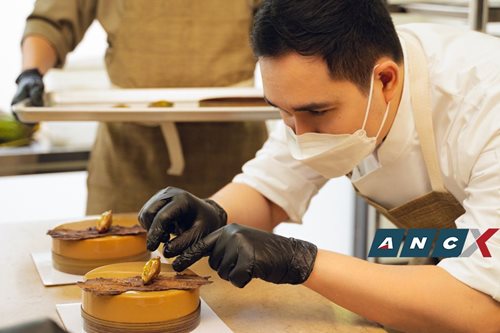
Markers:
224,247
165,237
242,272
183,241
226,263
36,95
156,203
21,94
150,209
164,223
196,251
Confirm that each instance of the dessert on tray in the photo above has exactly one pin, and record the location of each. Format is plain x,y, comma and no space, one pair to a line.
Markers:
79,247
160,104
134,297
233,101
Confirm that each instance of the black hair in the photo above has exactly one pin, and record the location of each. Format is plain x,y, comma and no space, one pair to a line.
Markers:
350,35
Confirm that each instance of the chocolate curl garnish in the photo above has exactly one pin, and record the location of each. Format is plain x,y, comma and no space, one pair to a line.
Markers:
114,230
165,281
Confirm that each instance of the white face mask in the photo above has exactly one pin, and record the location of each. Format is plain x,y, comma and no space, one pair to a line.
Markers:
334,155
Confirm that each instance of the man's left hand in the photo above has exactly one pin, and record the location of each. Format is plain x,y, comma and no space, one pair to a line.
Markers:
241,253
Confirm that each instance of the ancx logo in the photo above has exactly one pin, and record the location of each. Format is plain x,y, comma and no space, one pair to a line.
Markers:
418,243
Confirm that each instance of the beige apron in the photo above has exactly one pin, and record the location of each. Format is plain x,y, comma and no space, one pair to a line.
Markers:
174,43
438,208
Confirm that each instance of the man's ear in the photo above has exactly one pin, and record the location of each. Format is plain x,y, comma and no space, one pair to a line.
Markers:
389,74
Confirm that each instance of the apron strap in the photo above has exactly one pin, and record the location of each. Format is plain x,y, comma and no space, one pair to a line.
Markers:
173,142
174,148
421,105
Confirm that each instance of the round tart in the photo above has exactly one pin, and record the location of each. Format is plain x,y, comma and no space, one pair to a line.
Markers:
81,256
139,311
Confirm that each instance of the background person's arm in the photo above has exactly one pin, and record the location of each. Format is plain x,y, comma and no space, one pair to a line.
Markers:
55,26
53,29
407,298
38,53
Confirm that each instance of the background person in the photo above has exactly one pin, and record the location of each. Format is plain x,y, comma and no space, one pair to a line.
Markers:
158,44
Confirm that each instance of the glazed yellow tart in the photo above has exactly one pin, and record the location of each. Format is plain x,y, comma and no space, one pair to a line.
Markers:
139,311
81,256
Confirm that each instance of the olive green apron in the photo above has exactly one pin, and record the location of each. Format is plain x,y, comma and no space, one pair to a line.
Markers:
174,43
438,208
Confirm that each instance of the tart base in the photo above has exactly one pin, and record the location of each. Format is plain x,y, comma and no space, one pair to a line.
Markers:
81,266
184,324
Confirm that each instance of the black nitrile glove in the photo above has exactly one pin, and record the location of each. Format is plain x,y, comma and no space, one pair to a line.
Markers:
175,211
241,253
30,86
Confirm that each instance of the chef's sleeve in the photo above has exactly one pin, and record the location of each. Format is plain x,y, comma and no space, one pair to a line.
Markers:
280,178
482,211
62,22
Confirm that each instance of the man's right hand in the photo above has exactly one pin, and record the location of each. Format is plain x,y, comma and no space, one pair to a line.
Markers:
29,86
178,212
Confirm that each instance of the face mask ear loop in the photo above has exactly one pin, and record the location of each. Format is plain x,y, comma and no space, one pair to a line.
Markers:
367,111
383,120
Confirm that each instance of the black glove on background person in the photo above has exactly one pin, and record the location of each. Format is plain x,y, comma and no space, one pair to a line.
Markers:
175,211
241,253
29,85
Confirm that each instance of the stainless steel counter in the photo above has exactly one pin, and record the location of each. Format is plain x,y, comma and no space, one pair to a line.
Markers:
39,158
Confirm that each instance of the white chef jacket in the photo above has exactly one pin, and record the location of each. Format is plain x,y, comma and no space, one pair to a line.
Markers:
464,72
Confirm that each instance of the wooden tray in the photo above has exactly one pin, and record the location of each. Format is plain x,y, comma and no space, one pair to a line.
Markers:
189,104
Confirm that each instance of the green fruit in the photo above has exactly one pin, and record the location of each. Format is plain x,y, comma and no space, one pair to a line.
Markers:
12,131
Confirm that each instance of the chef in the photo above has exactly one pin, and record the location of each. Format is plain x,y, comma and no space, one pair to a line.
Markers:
411,116
158,44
